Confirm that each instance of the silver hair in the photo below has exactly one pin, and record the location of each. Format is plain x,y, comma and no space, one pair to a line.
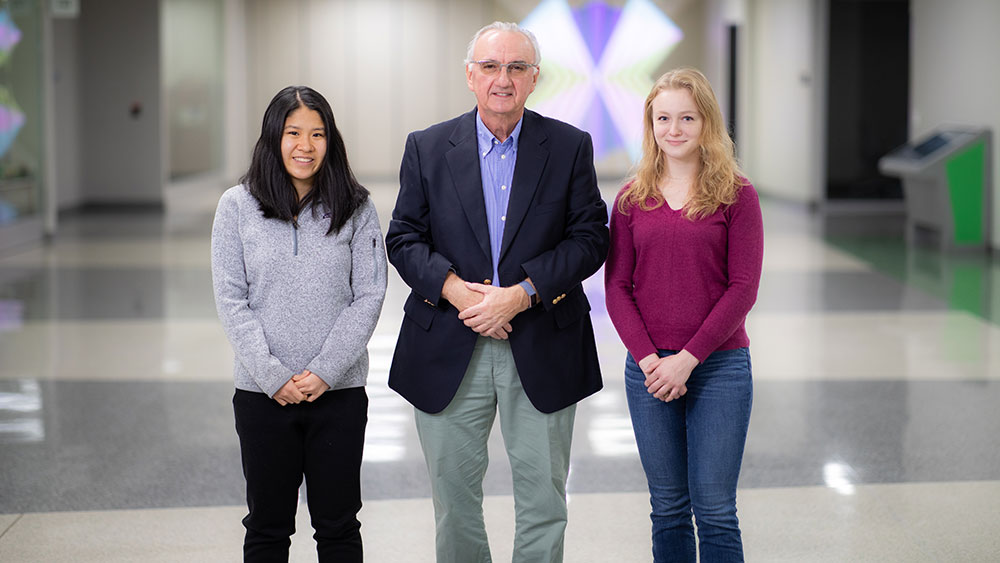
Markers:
503,26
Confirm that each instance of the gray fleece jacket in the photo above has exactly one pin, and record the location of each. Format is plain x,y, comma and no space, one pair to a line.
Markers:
295,299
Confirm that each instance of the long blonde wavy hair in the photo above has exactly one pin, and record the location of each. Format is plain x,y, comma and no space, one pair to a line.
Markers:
720,178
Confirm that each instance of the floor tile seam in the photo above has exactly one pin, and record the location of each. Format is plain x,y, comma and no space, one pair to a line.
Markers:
209,317
883,313
60,249
158,321
876,489
12,524
160,258
758,380
125,322
303,504
880,380
123,266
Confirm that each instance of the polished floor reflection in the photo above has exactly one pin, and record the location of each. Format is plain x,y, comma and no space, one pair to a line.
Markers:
873,435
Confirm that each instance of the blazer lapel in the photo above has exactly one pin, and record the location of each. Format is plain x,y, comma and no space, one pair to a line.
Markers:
531,158
463,162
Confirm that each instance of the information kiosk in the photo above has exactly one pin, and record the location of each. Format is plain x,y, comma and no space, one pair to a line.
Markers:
947,184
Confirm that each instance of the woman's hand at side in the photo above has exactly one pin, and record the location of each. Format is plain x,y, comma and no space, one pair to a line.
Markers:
310,385
667,378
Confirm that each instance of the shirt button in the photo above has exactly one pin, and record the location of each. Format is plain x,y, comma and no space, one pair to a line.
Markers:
484,154
503,217
503,156
503,187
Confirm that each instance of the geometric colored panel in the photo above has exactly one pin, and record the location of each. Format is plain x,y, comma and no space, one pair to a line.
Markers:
597,62
596,22
11,121
11,117
10,35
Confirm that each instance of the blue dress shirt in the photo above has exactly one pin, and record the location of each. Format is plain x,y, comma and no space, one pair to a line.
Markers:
496,165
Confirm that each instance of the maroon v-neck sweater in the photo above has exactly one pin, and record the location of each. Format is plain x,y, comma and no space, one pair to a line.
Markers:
672,283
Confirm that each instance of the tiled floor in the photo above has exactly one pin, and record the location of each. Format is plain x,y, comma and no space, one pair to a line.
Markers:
875,434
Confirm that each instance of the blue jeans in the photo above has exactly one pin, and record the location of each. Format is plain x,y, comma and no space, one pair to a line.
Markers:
691,450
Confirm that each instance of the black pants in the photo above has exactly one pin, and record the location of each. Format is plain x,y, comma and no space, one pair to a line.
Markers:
322,440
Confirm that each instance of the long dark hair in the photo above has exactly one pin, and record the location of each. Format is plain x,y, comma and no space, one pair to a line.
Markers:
334,188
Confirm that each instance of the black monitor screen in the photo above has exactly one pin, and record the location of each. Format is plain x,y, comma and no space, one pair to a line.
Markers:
930,145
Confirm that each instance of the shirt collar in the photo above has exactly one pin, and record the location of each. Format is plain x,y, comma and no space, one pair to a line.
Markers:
486,137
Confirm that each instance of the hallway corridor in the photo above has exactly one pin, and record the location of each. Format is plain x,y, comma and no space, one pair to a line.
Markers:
875,433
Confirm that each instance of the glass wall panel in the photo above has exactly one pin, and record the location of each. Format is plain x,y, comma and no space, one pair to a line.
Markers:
20,111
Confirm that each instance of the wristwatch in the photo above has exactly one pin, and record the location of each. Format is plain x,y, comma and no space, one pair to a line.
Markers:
532,296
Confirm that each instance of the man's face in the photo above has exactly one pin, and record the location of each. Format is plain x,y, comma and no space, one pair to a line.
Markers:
500,95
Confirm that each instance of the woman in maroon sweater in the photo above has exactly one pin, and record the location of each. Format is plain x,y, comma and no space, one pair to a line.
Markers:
681,276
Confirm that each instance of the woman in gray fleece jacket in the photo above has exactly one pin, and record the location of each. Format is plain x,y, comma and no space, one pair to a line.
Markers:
299,272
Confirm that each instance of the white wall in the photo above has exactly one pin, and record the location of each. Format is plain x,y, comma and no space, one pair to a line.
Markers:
783,147
235,144
955,76
387,67
119,63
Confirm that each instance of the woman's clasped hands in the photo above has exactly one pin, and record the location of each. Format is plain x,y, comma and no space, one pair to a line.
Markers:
305,386
666,378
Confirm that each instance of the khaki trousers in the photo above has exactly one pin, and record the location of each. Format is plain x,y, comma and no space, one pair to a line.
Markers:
454,443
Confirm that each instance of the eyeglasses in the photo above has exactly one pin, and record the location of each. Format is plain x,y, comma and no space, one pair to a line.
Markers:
515,69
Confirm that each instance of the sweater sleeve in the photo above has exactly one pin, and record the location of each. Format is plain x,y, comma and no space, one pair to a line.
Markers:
232,301
348,339
745,256
618,289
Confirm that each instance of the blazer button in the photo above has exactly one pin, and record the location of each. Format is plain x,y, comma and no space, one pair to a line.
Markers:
488,281
555,301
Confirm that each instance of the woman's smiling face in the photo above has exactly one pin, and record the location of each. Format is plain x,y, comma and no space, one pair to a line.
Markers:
677,124
303,147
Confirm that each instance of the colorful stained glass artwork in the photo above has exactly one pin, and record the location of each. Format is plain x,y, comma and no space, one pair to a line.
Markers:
10,35
11,120
11,116
597,62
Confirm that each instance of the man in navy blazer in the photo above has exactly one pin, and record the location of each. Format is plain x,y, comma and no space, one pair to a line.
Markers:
498,221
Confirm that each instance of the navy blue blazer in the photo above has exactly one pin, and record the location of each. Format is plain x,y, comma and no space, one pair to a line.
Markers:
556,233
